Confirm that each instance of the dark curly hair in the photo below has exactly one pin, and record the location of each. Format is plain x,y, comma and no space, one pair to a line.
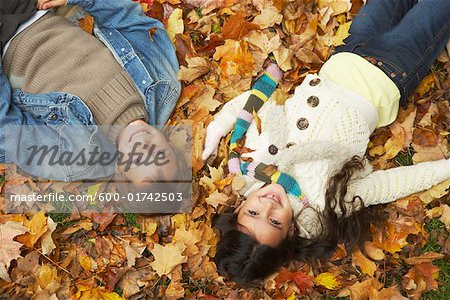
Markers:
242,259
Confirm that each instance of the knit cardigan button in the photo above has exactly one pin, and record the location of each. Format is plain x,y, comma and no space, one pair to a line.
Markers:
273,149
314,82
313,101
302,123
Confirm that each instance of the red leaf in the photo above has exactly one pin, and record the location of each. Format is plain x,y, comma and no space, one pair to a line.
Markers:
302,281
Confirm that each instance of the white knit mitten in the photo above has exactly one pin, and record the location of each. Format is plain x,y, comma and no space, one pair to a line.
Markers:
214,132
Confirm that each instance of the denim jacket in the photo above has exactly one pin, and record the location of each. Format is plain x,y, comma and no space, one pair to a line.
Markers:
149,59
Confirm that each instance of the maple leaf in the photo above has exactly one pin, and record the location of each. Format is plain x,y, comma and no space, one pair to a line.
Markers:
361,290
236,27
428,257
175,24
366,265
268,18
341,34
303,281
197,66
37,227
401,134
216,199
133,251
235,58
421,278
47,241
9,249
87,24
167,258
328,280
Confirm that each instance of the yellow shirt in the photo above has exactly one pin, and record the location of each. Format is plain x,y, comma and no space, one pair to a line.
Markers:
353,72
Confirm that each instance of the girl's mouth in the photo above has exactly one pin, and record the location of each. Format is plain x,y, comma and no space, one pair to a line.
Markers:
274,197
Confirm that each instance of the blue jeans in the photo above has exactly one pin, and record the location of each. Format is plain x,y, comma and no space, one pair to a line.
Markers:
401,37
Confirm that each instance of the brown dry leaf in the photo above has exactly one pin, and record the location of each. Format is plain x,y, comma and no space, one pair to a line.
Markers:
373,252
175,290
133,251
425,136
401,135
83,224
283,56
236,27
428,257
9,249
47,241
445,217
235,59
189,238
436,192
167,258
361,290
87,24
366,265
197,66
216,199
36,228
268,18
421,278
392,237
440,151
391,293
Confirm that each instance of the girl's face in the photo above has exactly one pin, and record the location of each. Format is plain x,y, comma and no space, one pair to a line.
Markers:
266,215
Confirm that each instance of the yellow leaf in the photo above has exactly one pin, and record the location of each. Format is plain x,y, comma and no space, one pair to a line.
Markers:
175,24
292,297
47,241
366,265
445,218
341,34
216,199
327,280
37,227
167,258
425,85
85,261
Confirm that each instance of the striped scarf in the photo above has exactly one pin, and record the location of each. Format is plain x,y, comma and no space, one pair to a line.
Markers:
261,91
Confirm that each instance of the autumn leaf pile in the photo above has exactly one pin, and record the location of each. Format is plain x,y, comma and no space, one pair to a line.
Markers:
222,45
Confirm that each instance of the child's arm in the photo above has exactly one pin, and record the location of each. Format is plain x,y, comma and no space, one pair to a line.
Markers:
223,123
387,186
117,14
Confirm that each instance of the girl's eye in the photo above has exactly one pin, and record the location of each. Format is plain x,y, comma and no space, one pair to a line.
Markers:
252,212
275,222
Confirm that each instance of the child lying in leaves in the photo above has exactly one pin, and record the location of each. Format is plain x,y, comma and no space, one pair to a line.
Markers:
308,186
55,75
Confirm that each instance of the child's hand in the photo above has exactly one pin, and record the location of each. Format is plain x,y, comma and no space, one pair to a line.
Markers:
214,132
46,4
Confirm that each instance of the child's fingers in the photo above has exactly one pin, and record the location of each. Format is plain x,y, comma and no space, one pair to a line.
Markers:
54,3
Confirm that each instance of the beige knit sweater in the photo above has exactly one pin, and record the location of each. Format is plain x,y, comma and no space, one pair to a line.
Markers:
54,55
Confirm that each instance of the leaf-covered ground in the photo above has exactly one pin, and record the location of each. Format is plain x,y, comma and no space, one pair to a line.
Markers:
222,45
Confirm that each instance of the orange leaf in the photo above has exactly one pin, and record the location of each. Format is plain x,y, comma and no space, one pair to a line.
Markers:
236,27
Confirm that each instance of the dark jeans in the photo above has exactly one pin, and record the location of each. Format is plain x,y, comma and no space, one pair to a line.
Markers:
401,37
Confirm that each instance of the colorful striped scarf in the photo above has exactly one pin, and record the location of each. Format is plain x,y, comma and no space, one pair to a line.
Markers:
261,91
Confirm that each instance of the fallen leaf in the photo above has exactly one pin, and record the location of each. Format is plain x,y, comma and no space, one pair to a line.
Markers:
216,199
197,66
328,280
175,24
9,249
167,258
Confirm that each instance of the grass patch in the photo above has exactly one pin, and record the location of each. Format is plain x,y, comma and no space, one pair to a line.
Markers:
435,228
404,158
444,282
131,220
2,178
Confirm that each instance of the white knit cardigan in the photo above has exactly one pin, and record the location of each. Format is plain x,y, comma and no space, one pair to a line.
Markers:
315,133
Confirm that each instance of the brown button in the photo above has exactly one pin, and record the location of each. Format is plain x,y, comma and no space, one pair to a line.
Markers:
302,123
273,149
380,63
392,75
404,74
314,82
290,144
313,101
